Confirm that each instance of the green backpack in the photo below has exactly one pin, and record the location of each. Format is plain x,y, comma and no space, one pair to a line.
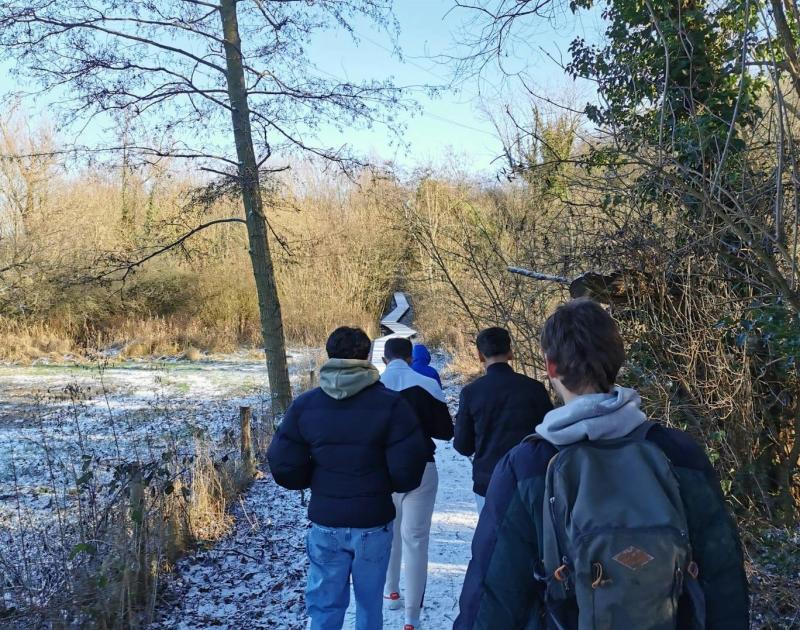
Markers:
616,552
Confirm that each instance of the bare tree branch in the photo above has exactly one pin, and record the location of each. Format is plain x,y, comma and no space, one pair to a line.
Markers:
129,266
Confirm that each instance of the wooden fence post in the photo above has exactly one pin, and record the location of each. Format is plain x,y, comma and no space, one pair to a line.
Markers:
138,518
248,459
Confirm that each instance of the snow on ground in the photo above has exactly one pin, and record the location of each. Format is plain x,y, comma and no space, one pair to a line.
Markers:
65,430
454,522
256,577
120,412
252,579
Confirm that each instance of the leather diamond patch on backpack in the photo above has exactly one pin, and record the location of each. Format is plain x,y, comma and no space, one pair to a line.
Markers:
633,558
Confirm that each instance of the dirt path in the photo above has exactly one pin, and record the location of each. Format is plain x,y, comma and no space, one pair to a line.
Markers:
454,522
255,577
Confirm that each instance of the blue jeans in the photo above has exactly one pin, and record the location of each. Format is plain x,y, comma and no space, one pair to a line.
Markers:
335,554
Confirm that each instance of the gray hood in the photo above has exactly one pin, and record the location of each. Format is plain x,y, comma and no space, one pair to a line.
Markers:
593,417
342,378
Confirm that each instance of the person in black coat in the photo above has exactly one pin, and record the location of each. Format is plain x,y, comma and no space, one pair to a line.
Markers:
496,411
353,442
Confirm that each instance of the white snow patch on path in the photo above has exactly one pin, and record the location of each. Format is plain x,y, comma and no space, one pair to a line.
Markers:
454,521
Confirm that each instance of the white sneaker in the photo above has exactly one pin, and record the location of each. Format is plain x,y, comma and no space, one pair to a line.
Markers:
393,601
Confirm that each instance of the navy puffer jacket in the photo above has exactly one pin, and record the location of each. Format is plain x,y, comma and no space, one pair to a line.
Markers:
499,589
352,452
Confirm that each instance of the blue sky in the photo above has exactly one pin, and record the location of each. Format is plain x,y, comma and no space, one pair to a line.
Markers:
454,126
452,129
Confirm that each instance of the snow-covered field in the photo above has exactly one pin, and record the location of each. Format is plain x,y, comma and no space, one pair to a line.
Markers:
67,430
255,578
51,416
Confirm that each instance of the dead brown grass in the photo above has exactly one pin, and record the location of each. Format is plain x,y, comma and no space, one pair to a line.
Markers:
111,578
22,342
337,259
464,365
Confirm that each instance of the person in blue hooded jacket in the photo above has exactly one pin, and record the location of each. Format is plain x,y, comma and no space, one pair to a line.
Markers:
421,363
583,353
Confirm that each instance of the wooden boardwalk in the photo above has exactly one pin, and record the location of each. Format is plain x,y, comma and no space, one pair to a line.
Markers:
392,323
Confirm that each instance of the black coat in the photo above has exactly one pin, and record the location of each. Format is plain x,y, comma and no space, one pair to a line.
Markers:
434,416
494,414
352,453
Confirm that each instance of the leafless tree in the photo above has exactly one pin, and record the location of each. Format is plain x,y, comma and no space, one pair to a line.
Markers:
226,85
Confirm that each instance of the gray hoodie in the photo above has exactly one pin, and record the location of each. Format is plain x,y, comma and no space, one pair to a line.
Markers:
593,417
342,378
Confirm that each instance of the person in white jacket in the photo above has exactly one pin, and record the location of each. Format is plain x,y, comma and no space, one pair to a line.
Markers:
412,525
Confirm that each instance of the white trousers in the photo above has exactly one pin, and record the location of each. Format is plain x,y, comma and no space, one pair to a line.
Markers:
479,503
412,532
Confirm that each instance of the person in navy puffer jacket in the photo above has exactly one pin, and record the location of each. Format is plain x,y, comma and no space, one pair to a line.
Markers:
421,363
583,353
353,442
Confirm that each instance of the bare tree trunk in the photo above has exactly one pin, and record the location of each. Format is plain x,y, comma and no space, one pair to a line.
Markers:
268,303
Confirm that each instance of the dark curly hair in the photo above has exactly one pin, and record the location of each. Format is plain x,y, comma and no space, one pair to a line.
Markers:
348,343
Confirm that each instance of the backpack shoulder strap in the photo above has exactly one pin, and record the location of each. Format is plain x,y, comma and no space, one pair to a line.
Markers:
639,434
535,437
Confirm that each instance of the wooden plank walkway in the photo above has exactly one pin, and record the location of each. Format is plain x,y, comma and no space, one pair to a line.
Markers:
397,329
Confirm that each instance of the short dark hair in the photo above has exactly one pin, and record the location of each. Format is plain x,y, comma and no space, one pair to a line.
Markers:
348,343
397,348
493,342
584,342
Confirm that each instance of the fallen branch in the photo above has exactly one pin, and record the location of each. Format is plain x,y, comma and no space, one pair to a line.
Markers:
612,288
539,276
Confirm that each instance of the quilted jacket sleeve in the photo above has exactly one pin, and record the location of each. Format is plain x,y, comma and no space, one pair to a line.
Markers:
407,448
499,589
716,549
289,455
712,532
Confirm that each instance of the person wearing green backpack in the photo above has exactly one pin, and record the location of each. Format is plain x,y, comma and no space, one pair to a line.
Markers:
601,519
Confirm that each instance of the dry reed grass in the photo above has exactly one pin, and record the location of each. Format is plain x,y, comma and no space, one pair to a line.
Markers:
101,568
22,342
338,258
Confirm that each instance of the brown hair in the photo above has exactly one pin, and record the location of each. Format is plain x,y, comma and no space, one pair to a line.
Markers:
583,341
